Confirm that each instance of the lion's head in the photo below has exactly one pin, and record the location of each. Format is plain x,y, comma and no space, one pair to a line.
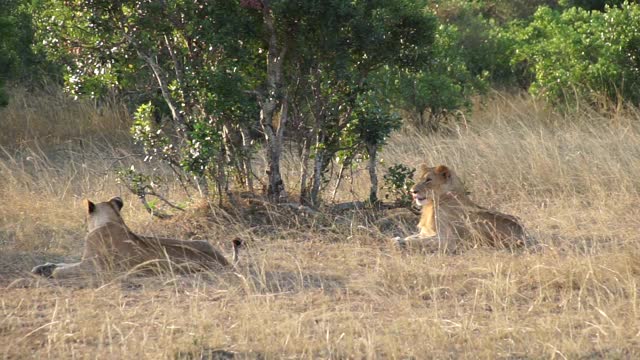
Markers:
437,181
104,212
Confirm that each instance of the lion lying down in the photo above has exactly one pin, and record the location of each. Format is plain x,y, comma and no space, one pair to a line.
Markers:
450,221
111,246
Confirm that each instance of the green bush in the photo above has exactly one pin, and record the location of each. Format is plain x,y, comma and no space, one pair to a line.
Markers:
577,53
599,5
20,57
397,183
10,44
429,96
478,37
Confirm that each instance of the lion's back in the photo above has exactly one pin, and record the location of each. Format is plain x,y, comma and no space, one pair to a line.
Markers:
471,220
114,245
506,230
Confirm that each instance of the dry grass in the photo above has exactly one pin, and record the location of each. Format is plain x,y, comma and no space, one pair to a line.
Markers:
49,116
317,289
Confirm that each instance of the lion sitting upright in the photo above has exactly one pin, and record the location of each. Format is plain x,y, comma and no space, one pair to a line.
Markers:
451,221
111,246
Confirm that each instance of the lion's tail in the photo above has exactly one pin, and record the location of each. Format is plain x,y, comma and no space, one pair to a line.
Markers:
237,244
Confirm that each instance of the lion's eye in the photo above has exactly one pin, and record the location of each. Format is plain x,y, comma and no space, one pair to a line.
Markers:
428,179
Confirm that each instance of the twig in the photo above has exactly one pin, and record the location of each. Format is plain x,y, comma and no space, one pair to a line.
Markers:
153,193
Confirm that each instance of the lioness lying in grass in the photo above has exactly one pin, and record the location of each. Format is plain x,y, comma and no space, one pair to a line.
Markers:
450,220
111,246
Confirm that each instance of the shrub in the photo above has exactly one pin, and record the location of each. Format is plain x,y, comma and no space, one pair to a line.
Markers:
397,182
599,5
430,95
578,53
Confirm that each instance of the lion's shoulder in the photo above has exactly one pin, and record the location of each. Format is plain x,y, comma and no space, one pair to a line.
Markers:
110,230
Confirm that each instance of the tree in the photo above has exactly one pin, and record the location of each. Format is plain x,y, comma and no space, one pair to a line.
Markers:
222,67
340,48
372,124
186,53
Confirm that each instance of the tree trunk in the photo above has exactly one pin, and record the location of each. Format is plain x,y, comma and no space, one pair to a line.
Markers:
202,185
275,188
304,171
246,158
421,122
318,160
339,180
220,176
434,120
372,150
272,122
227,143
236,148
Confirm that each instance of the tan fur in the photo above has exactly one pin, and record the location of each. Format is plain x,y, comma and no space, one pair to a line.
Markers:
111,246
450,220
427,223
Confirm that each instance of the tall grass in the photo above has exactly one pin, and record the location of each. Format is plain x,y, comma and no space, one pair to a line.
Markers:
318,289
48,116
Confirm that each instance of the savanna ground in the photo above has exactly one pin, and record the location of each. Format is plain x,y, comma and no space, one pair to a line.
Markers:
312,286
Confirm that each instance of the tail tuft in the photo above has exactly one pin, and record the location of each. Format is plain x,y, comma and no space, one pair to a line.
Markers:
237,244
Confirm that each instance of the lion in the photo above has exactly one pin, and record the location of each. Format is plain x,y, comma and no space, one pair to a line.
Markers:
450,220
111,246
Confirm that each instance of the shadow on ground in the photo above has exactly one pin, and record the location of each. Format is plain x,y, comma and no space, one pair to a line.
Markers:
287,281
216,354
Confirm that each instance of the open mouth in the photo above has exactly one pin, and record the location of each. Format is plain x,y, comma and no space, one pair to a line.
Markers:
419,197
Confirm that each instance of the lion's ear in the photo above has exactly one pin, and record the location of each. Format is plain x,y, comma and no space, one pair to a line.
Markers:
91,207
117,201
444,171
423,169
